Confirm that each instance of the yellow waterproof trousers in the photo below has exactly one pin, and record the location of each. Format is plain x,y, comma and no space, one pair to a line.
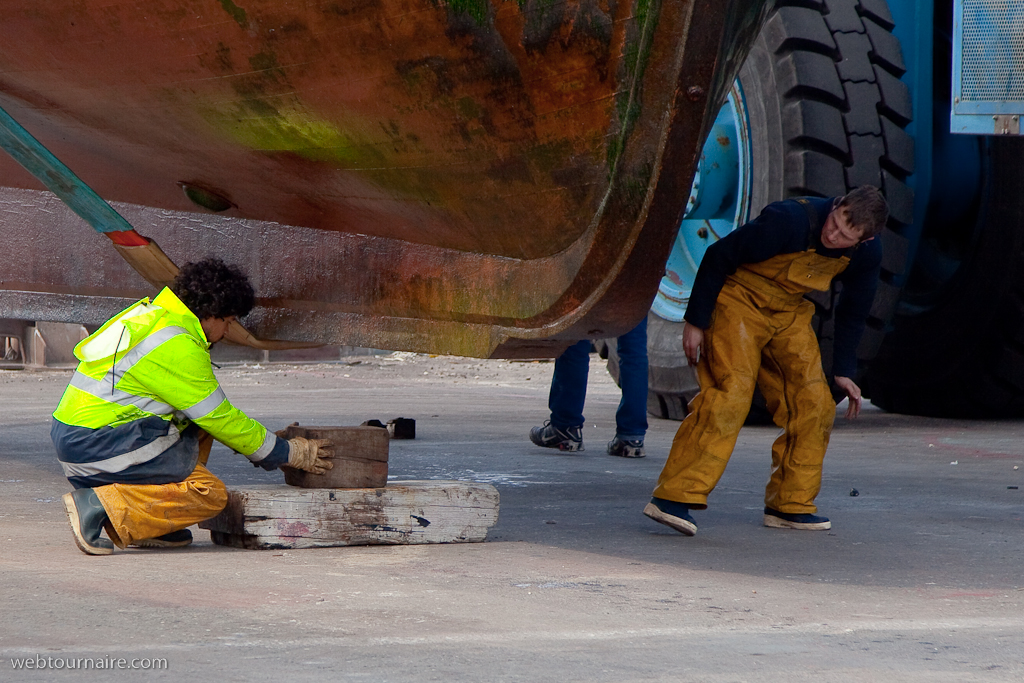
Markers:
141,511
760,333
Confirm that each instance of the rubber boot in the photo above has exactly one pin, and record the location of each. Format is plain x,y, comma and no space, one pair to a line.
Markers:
87,518
175,539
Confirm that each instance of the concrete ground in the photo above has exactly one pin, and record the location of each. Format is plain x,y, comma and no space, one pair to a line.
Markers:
919,580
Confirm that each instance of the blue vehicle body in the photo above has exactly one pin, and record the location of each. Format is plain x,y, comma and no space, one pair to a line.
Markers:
988,67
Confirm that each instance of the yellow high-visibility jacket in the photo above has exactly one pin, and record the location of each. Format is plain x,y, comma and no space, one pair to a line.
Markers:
144,382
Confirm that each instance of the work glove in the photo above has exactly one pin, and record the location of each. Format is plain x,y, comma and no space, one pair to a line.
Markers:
310,455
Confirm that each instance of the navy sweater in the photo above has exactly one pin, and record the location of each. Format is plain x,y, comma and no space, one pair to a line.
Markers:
785,228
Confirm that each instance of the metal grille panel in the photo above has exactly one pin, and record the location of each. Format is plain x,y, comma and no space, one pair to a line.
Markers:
993,51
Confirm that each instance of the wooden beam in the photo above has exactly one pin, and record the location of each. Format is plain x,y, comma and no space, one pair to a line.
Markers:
403,512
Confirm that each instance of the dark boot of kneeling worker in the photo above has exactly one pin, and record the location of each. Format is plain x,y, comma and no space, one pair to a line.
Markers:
134,428
87,517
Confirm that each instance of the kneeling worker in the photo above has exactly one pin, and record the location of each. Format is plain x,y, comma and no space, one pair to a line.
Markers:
134,428
747,322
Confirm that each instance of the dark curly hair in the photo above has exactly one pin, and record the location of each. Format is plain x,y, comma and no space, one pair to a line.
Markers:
213,289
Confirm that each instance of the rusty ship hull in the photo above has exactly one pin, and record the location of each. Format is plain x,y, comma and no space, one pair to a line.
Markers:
467,177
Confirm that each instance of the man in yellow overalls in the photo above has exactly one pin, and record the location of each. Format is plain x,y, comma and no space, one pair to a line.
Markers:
134,428
748,322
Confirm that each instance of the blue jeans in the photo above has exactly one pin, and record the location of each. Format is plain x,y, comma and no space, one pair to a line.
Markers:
569,385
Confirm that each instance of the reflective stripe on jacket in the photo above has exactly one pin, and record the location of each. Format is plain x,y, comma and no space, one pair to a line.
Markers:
146,451
151,360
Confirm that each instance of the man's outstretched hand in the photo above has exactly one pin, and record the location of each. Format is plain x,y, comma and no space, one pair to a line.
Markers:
852,393
310,455
693,343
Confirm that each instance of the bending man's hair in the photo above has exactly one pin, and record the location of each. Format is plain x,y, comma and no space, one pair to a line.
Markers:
213,289
867,209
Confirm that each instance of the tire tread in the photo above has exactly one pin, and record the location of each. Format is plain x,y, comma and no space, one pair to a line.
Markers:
799,28
885,49
899,148
900,198
862,118
842,17
895,97
878,12
811,173
867,151
809,75
816,126
856,63
895,252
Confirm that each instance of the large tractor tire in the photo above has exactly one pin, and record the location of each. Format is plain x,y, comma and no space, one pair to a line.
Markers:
963,356
670,382
957,348
825,112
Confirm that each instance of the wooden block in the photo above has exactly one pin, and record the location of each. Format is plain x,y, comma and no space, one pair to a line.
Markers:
405,512
360,458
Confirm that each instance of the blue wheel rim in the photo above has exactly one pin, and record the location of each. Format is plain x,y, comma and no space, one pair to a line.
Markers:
719,203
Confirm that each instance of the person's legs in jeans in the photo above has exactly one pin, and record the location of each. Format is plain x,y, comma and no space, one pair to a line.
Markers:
631,416
564,430
569,386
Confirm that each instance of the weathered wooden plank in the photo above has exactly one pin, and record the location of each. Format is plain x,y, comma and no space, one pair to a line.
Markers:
403,512
360,458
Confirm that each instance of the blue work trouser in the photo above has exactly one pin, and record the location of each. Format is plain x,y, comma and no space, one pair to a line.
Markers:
569,385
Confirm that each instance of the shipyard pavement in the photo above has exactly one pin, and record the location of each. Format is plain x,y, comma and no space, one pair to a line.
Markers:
918,580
